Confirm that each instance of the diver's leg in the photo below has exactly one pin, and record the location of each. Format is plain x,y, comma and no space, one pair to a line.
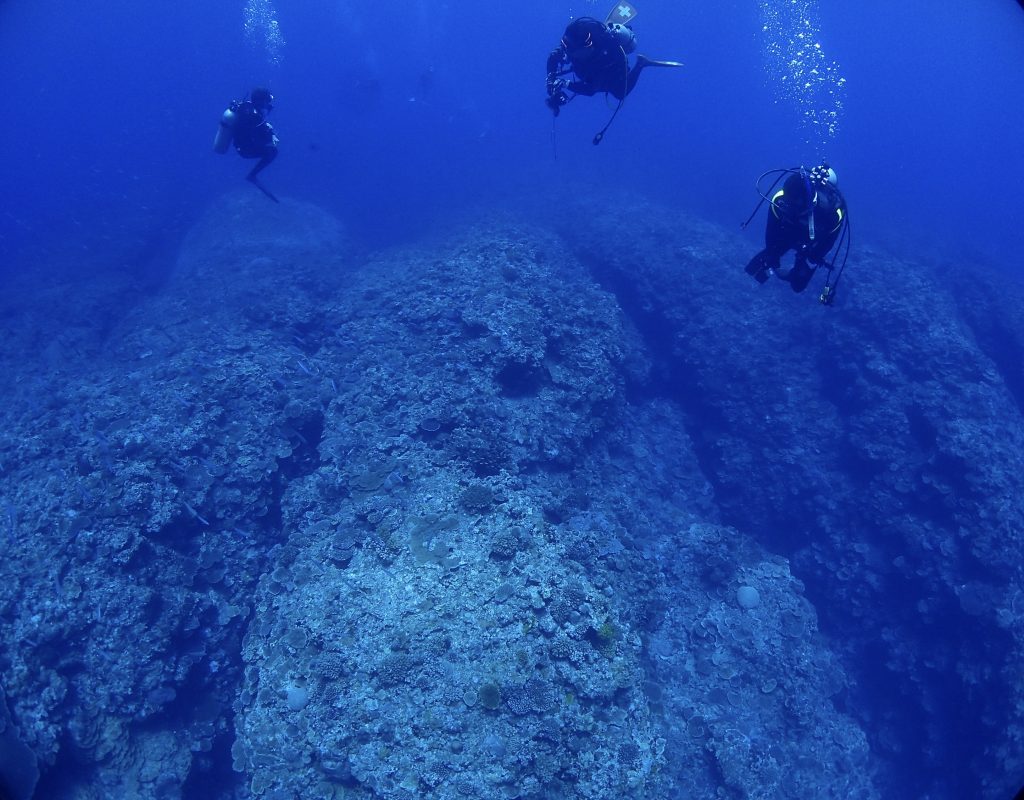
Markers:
807,260
269,154
634,74
621,83
819,250
776,242
800,275
778,237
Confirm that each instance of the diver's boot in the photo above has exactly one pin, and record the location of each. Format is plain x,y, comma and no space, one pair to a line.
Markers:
800,276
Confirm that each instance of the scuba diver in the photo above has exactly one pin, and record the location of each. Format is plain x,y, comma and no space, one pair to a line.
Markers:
808,215
597,55
245,123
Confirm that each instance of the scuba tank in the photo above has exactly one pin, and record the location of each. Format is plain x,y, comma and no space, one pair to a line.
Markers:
623,36
225,130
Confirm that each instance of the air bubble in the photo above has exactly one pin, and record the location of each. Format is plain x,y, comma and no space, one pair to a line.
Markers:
801,75
263,29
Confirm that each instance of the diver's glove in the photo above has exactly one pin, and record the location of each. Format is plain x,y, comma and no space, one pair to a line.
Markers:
557,86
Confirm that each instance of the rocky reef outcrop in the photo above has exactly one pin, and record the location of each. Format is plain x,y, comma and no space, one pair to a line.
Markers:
509,514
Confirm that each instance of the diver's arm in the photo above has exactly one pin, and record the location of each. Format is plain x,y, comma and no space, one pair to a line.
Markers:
556,59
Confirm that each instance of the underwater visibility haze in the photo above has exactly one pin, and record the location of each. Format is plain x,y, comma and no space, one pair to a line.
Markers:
471,448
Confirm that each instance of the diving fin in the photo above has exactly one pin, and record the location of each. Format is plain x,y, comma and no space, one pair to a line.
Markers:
758,268
622,13
650,62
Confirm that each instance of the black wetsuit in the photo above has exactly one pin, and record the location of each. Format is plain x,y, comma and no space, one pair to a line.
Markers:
789,228
599,64
252,135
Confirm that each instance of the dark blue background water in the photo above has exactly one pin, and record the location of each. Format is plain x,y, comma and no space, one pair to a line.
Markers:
109,110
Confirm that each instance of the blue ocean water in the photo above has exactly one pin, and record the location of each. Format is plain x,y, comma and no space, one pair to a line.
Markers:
477,466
